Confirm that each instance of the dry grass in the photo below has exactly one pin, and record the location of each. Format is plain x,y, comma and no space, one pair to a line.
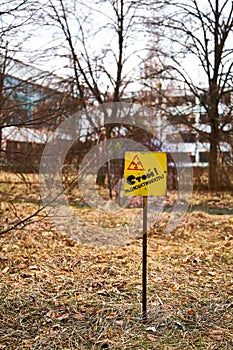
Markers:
57,294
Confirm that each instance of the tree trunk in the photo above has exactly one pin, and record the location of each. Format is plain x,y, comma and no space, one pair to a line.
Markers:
101,176
1,156
214,178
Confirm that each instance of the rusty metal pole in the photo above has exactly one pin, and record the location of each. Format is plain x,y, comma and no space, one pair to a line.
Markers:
144,261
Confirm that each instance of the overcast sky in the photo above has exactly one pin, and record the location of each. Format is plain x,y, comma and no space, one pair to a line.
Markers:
41,37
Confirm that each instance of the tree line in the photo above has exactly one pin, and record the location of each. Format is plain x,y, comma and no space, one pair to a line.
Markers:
108,47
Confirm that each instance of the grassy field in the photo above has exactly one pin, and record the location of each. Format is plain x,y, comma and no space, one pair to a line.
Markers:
57,294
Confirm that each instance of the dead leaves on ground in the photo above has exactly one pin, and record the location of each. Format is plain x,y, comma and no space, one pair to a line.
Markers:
56,293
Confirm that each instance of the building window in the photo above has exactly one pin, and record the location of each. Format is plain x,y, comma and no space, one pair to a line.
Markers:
181,157
192,158
188,137
203,157
203,137
172,138
192,120
204,118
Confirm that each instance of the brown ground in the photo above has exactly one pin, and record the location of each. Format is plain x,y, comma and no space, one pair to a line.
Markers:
58,294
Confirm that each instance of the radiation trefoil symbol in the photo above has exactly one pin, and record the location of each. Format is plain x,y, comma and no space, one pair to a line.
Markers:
66,216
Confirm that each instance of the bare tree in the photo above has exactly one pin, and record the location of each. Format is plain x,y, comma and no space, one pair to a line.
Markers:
98,72
97,44
201,33
8,26
30,99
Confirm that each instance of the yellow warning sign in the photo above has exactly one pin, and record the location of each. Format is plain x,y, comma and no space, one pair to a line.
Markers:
145,174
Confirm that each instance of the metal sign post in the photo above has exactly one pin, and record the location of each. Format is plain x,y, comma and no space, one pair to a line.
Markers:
145,174
144,261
